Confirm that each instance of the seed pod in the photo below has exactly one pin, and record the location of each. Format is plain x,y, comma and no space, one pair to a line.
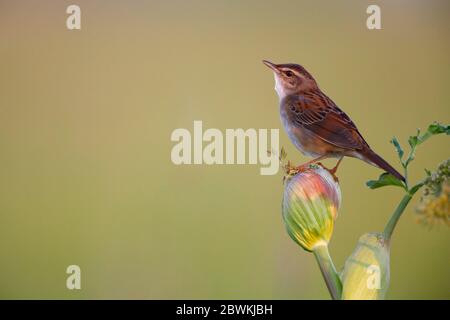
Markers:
366,272
310,205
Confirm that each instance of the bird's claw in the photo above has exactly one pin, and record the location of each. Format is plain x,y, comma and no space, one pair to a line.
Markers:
293,170
331,171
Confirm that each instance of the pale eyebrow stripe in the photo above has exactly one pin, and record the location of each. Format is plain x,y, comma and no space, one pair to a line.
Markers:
293,71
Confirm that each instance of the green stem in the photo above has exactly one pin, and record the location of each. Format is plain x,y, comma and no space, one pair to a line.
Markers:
406,178
389,229
328,270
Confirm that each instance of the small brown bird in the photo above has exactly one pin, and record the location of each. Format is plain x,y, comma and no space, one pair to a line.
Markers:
315,124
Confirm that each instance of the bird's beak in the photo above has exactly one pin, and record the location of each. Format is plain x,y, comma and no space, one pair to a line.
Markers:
271,65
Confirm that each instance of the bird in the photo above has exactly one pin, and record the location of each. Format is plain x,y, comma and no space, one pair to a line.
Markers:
315,124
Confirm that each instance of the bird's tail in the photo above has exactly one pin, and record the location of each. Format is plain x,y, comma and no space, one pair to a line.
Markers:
379,162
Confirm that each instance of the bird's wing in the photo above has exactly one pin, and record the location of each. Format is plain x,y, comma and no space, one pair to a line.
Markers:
319,114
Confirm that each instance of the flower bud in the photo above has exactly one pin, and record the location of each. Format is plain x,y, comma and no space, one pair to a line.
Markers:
310,205
366,272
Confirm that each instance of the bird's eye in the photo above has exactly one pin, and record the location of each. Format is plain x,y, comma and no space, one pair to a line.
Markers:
289,74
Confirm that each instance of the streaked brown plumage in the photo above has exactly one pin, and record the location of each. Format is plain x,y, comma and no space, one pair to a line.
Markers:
315,124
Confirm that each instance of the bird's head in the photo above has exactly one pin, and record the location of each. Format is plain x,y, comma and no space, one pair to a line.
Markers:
291,79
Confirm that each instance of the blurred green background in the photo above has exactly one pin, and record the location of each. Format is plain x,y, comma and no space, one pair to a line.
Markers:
85,123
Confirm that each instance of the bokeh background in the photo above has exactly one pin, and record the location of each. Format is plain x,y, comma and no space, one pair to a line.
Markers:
85,123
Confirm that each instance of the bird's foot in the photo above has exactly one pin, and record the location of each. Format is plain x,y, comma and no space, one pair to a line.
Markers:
291,170
331,171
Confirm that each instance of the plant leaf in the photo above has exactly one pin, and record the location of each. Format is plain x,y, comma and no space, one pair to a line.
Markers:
414,140
415,188
385,179
433,129
437,128
397,146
